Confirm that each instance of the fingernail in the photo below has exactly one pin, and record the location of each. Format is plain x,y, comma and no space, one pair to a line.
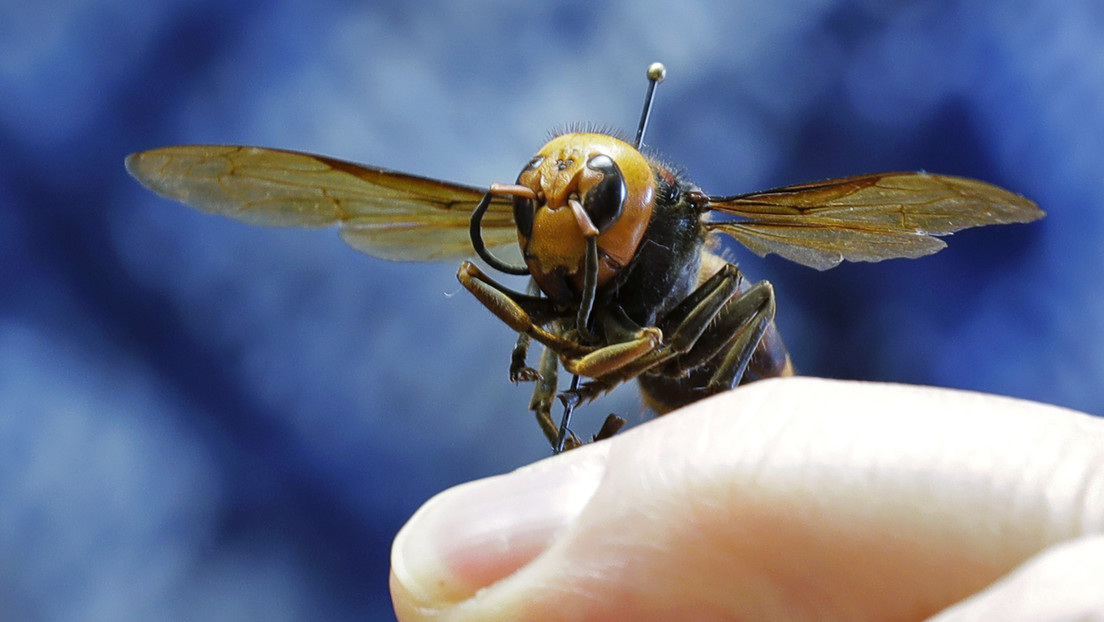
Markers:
471,536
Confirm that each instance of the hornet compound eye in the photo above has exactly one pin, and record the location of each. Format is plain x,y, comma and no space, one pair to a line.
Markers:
604,201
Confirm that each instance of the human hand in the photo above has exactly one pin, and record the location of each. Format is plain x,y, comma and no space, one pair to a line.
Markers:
786,499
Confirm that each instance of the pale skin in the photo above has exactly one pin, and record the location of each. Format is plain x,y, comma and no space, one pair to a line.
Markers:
788,499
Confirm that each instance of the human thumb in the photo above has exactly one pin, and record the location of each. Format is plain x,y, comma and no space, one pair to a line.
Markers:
788,499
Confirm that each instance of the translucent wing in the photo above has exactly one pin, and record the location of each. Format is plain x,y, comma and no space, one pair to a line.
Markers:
866,217
383,213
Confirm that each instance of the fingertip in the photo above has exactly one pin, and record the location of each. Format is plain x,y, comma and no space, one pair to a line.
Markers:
470,537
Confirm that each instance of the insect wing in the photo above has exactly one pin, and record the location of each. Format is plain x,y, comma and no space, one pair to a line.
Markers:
384,213
866,217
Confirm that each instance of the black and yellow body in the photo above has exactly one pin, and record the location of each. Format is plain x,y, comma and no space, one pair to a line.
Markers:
625,283
664,308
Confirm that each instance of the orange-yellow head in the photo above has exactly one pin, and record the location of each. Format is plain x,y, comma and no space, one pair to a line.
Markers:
585,185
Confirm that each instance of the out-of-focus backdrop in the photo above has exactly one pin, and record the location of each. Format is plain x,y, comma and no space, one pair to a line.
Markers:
203,420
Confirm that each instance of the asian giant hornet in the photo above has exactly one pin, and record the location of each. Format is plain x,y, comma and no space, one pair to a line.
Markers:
624,279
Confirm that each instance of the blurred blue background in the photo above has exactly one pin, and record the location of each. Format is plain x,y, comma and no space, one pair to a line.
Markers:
203,420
